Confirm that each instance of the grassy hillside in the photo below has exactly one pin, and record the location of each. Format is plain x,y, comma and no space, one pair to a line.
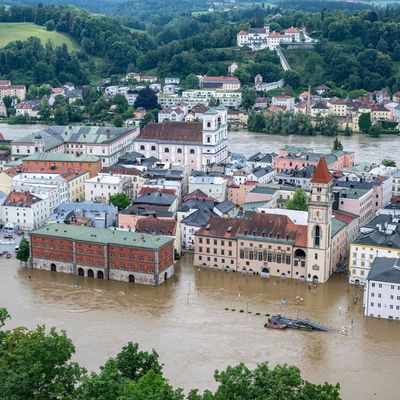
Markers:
11,31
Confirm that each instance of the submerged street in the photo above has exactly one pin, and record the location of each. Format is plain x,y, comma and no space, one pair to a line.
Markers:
191,318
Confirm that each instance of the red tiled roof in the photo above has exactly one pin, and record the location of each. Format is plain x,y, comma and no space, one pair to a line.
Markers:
221,78
69,174
197,194
277,35
120,171
345,217
292,30
272,226
321,174
21,199
170,131
23,106
145,189
242,33
156,226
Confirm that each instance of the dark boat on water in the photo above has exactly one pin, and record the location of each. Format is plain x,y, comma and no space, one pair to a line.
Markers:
281,322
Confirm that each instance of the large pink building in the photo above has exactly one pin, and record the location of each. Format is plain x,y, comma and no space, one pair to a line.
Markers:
291,158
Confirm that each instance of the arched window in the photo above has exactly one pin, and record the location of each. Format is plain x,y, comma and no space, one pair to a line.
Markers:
208,124
317,235
179,151
166,150
191,151
142,147
153,148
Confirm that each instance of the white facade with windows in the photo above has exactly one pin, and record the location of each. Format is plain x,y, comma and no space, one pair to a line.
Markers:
26,216
382,290
101,187
187,143
56,189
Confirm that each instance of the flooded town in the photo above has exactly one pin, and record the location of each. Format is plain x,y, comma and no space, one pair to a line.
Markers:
194,322
199,200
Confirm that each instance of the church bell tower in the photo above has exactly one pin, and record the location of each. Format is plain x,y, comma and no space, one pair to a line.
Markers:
319,224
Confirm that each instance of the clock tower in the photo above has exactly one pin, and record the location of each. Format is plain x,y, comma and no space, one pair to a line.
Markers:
319,224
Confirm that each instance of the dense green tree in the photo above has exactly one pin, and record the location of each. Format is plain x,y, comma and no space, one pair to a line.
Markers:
364,122
248,98
337,145
191,82
133,363
37,365
61,116
147,99
281,382
23,251
120,101
375,130
388,163
118,121
256,122
292,79
298,201
7,100
120,200
347,131
329,126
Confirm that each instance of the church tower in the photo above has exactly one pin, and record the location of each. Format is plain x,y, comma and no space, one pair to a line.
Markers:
319,224
38,142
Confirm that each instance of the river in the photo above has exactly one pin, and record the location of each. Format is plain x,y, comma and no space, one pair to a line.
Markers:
186,321
367,149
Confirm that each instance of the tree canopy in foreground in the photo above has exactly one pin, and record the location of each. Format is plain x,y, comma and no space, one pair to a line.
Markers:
36,364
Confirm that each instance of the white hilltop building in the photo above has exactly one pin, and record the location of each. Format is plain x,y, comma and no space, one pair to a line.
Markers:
263,38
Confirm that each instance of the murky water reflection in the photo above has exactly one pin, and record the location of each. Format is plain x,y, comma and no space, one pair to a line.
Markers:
186,321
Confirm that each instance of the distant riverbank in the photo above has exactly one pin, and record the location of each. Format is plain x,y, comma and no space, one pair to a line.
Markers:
367,149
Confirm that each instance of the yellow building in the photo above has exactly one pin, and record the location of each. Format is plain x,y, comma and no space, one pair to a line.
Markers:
379,238
76,184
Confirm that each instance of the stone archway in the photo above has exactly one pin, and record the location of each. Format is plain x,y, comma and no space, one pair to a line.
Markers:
81,272
100,275
90,273
165,276
131,278
53,267
315,279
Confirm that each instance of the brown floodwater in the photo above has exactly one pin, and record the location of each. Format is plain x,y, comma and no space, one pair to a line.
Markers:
186,321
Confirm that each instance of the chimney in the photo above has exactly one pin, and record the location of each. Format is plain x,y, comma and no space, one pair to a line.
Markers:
108,133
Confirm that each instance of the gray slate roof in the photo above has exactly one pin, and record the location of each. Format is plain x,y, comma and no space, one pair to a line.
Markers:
156,198
385,269
199,217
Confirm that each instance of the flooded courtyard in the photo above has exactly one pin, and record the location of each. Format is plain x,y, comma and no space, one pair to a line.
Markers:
195,323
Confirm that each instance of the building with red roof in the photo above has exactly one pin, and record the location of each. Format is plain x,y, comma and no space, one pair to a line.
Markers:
193,144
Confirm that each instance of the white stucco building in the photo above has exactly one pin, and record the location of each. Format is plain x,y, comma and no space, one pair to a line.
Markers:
213,186
101,187
192,144
382,289
25,210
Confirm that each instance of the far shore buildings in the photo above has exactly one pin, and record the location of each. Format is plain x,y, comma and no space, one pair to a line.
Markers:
194,144
289,158
106,143
273,245
263,38
10,90
103,253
